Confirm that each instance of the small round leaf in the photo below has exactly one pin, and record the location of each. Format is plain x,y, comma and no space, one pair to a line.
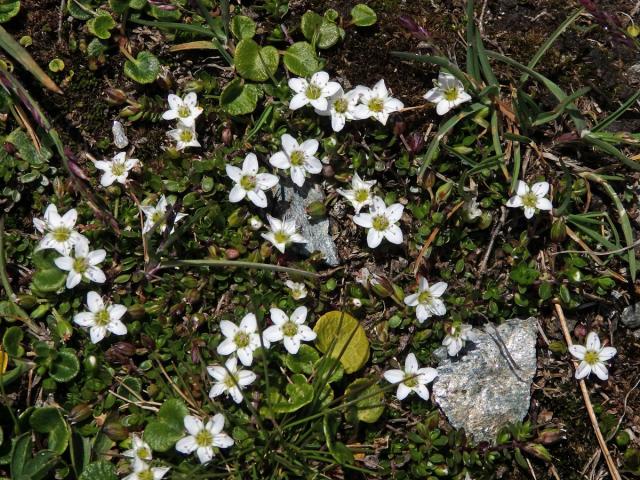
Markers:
300,59
255,63
243,27
100,26
65,365
363,16
144,69
341,336
100,470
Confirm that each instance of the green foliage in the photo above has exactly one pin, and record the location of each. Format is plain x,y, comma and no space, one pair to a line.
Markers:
143,69
341,336
24,466
162,433
367,398
254,62
320,31
56,65
239,98
363,15
243,27
101,25
64,365
11,341
100,470
8,9
50,420
300,59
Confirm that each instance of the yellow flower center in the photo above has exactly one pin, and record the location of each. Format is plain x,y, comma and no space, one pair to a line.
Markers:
102,319
157,216
591,357
80,265
297,158
241,340
380,223
280,237
143,453
425,297
248,182
204,438
410,381
186,136
184,111
376,105
451,94
361,195
341,105
145,474
118,169
61,234
289,329
313,92
529,200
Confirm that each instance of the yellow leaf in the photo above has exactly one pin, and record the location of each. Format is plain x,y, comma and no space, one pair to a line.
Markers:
4,361
345,333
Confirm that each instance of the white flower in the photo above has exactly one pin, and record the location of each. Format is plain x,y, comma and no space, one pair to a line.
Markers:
184,137
289,330
255,223
298,158
360,193
230,379
282,233
117,170
531,198
447,94
83,264
186,109
202,438
376,103
457,337
381,222
142,471
241,340
140,450
341,107
427,299
101,319
249,182
157,214
314,92
412,378
60,234
298,290
471,209
592,357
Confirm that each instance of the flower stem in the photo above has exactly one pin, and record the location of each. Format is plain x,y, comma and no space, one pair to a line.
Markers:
3,270
237,263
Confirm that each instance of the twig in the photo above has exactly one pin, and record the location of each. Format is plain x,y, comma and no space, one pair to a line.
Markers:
613,470
432,237
176,388
602,254
492,241
140,404
591,253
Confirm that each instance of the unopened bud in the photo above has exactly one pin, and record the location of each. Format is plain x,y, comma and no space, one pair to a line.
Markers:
227,136
443,192
558,230
255,223
165,79
136,311
79,413
550,435
236,217
316,209
115,96
115,431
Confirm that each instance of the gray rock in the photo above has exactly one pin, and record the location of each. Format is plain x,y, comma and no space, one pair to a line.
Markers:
631,316
481,390
293,201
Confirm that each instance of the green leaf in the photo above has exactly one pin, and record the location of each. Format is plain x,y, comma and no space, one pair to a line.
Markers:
56,65
65,365
9,9
144,69
243,27
299,392
163,433
363,16
238,98
101,25
303,361
341,336
49,280
319,30
100,470
11,342
370,400
300,59
524,275
20,454
173,412
255,63
11,312
76,10
50,420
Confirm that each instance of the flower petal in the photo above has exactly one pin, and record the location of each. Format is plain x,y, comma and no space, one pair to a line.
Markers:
393,376
593,341
186,445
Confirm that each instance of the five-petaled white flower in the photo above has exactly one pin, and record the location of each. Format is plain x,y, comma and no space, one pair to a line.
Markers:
240,339
230,379
139,450
298,290
282,233
185,110
456,338
60,234
376,103
184,137
82,264
157,214
117,170
341,108
297,158
592,357
101,319
203,438
250,183
360,193
531,198
142,471
447,94
427,299
314,92
291,331
381,222
412,378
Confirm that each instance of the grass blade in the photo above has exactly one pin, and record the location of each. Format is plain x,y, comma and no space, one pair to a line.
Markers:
442,62
615,115
473,68
17,51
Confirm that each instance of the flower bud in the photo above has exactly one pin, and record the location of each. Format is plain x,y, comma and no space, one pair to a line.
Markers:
538,451
64,329
550,435
194,86
316,209
328,171
80,412
9,148
136,311
236,218
147,342
165,79
255,223
415,142
443,192
115,96
558,230
90,363
227,136
485,220
115,431
130,111
231,253
192,295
